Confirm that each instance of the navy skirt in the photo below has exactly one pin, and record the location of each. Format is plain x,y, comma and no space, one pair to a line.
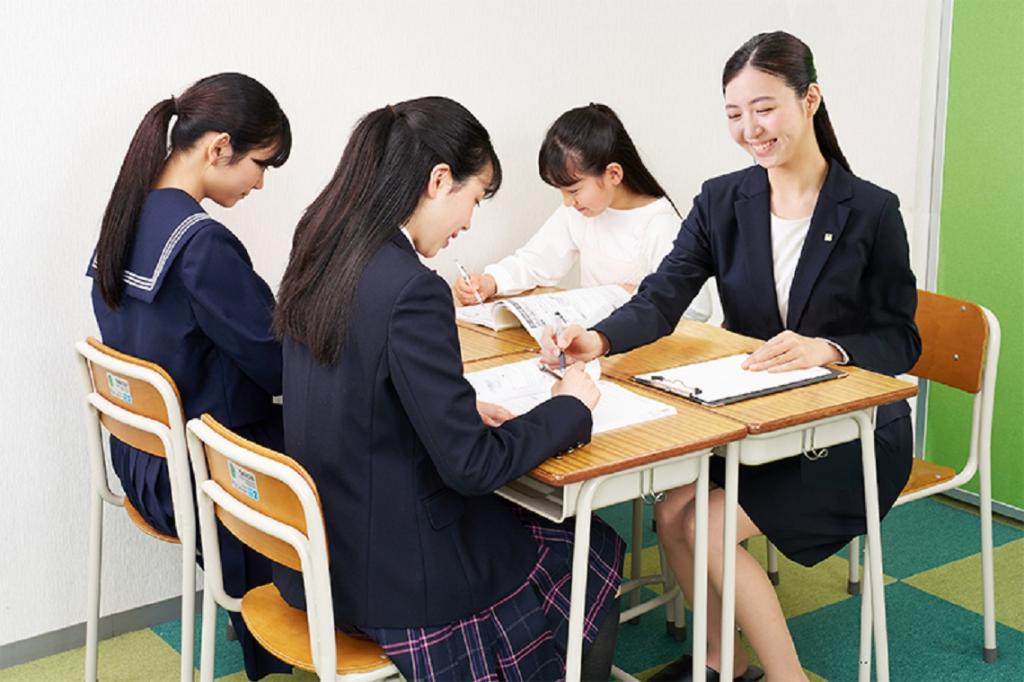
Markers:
147,486
523,636
811,509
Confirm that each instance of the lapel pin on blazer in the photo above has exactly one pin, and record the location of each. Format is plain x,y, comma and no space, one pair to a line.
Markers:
828,236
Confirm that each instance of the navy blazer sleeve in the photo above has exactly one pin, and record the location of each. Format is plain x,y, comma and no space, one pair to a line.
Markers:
232,304
426,369
663,296
889,341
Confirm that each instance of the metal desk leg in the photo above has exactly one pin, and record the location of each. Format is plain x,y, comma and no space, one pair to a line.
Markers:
864,663
732,477
700,572
873,557
578,590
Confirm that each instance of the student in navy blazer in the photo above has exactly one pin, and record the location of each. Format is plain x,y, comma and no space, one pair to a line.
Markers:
815,261
452,581
174,286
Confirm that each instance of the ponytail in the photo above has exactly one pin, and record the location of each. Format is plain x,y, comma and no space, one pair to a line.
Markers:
786,56
142,163
827,142
224,103
376,187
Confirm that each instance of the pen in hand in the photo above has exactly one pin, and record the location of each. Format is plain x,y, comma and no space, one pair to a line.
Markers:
468,281
559,325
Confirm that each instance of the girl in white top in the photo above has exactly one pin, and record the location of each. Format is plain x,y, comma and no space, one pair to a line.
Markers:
615,218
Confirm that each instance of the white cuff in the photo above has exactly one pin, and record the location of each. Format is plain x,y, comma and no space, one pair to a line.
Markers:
846,356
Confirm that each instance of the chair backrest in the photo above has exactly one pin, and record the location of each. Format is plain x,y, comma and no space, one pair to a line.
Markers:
954,340
137,402
151,393
270,503
262,491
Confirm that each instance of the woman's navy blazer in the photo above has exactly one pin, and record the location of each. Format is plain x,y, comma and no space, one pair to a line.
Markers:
853,284
403,463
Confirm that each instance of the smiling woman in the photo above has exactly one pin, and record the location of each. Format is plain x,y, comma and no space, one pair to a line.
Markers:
813,260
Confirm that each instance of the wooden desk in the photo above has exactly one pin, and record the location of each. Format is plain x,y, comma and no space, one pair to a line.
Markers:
787,424
618,466
477,345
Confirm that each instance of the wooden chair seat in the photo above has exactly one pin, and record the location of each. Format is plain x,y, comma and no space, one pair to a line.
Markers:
137,519
284,632
924,474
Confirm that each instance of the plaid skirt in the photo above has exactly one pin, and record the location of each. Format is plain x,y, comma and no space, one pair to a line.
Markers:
523,636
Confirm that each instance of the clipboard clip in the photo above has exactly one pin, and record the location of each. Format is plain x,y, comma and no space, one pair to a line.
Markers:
670,385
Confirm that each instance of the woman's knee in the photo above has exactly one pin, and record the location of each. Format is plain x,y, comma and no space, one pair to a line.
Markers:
669,513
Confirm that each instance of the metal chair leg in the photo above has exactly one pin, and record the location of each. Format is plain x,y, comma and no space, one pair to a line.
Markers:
772,559
853,581
92,623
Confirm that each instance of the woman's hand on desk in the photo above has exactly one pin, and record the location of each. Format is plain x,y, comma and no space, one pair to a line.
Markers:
493,415
482,284
788,351
577,383
578,344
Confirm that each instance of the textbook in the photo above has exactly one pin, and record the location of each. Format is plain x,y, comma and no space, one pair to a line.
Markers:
584,307
521,386
723,381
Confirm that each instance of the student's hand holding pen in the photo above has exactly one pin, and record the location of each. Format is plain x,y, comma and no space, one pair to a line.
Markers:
578,344
577,383
468,288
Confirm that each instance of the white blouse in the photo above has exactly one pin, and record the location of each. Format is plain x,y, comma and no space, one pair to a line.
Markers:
788,238
614,247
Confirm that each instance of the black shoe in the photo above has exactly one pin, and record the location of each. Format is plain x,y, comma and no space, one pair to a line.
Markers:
681,670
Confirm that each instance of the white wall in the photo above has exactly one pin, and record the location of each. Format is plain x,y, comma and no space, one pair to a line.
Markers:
77,78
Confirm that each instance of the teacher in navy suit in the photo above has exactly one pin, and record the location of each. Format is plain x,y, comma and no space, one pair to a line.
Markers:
813,260
453,582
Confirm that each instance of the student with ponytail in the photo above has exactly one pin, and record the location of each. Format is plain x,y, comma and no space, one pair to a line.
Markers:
174,286
615,217
813,260
453,582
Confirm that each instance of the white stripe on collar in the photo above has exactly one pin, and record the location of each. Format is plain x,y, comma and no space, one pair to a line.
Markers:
147,283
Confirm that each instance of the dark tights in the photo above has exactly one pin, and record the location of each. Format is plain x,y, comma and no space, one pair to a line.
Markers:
597,661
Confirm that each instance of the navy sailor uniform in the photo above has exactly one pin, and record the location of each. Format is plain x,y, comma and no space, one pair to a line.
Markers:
853,286
193,304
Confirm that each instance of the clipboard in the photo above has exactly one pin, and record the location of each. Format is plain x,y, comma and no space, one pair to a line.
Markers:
718,382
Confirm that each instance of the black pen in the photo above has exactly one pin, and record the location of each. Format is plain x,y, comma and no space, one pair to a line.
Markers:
559,326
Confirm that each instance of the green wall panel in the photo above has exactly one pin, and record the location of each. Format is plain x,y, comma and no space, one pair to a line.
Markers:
981,244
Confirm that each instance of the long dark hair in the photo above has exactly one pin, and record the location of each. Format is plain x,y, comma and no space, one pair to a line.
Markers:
786,56
229,103
583,141
375,189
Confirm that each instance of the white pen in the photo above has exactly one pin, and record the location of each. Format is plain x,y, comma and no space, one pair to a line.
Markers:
468,281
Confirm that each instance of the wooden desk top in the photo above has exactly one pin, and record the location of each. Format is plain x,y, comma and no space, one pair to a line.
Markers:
697,341
690,429
478,345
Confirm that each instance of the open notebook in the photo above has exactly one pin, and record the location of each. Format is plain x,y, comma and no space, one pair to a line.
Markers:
584,307
521,386
723,381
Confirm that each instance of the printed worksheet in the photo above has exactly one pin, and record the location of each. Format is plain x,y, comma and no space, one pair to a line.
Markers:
521,386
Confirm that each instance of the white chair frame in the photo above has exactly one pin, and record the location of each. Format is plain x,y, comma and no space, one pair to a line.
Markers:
979,461
310,547
173,440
